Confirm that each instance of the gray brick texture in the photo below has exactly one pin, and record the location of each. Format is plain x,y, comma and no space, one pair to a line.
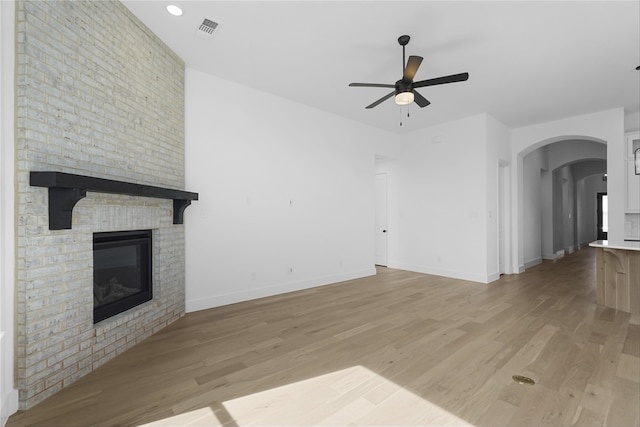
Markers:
98,94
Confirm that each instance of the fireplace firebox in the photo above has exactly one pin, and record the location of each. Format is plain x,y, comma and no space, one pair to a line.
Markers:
121,272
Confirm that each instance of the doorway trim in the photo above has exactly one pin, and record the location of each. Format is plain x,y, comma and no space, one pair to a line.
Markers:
8,392
504,218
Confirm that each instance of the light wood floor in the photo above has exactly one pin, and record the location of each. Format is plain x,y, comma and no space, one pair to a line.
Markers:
399,348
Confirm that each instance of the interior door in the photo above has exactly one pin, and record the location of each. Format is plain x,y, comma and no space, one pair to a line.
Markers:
381,219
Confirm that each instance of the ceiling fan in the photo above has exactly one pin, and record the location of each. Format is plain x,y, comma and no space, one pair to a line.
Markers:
404,89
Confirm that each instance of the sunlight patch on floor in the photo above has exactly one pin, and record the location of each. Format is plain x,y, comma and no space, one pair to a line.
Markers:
353,396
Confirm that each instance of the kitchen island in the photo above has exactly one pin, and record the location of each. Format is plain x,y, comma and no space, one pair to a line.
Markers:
618,275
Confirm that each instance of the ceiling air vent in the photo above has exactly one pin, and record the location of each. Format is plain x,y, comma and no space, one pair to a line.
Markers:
206,28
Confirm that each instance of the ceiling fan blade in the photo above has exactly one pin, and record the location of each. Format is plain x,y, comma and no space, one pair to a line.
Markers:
379,101
442,80
412,68
420,100
371,85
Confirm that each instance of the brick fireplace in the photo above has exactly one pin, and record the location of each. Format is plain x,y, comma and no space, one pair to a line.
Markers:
98,94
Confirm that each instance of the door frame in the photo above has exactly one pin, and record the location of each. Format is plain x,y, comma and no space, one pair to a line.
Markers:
504,218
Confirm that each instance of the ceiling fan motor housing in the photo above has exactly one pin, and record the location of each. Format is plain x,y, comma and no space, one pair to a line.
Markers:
403,40
404,86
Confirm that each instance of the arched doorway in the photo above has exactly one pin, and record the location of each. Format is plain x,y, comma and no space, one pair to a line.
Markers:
556,183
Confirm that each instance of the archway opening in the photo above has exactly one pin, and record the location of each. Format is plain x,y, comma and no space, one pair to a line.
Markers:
558,184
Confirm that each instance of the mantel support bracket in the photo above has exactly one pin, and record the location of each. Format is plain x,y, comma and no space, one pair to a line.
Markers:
61,204
178,210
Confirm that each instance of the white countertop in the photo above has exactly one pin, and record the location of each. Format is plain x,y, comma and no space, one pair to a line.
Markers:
629,246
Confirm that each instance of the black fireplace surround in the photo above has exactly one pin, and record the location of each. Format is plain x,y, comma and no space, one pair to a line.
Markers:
122,274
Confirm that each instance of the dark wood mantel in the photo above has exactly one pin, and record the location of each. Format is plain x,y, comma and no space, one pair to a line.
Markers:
66,189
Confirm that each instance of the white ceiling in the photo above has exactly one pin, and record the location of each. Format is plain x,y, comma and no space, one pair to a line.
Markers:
529,62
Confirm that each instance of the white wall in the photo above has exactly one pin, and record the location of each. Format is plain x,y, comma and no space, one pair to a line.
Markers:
546,213
282,186
534,165
570,151
632,122
295,189
607,126
567,212
441,191
8,393
443,201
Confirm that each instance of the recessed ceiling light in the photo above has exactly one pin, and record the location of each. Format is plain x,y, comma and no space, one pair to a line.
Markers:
174,10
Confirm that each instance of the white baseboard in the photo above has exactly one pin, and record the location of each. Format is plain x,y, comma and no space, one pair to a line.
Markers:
9,406
443,272
532,263
251,294
493,277
8,394
557,255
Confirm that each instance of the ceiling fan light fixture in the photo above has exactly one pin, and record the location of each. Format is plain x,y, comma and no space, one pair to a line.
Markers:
404,98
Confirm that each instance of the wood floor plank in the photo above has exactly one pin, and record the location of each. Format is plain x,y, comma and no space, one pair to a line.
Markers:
632,341
398,348
624,411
